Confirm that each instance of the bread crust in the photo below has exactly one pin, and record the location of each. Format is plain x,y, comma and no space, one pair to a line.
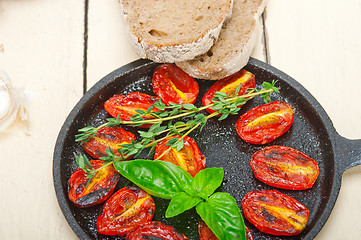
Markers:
173,53
182,51
220,65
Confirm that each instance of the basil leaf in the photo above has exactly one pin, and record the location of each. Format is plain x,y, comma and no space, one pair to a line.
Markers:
207,181
158,178
222,216
181,202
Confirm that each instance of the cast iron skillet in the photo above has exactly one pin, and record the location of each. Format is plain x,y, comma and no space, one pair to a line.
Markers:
312,133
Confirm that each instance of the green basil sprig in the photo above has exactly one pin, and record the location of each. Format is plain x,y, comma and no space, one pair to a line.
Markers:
166,180
158,178
222,213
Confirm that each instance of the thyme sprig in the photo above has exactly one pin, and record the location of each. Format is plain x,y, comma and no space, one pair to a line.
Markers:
83,162
189,118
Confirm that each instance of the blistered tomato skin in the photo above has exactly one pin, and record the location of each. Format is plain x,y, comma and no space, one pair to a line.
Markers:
189,157
265,123
275,213
124,106
99,189
205,233
228,85
284,167
172,84
155,230
107,137
124,211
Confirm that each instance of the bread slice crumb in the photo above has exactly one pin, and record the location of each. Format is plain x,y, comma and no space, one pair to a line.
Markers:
232,50
174,30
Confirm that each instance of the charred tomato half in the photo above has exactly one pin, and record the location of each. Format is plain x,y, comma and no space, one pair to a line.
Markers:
124,106
265,123
284,167
85,194
275,213
107,137
172,84
155,230
124,211
228,85
189,157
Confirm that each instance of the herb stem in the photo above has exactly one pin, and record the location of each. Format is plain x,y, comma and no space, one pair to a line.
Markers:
223,105
94,171
186,134
249,96
180,139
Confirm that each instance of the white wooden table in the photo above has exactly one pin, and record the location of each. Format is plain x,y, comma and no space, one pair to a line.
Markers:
42,48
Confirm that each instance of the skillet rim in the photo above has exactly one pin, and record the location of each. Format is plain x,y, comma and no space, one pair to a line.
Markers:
140,63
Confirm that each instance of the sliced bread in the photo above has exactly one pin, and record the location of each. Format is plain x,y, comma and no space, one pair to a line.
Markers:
174,30
234,46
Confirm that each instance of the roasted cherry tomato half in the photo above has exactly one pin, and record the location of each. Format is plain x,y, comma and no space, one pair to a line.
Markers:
228,85
124,106
205,233
172,84
124,211
284,167
265,123
107,137
155,230
99,189
189,157
275,213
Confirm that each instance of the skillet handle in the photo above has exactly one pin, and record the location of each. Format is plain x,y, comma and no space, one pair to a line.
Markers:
349,153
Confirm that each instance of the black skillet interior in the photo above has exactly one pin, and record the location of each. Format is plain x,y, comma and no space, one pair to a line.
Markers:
310,133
